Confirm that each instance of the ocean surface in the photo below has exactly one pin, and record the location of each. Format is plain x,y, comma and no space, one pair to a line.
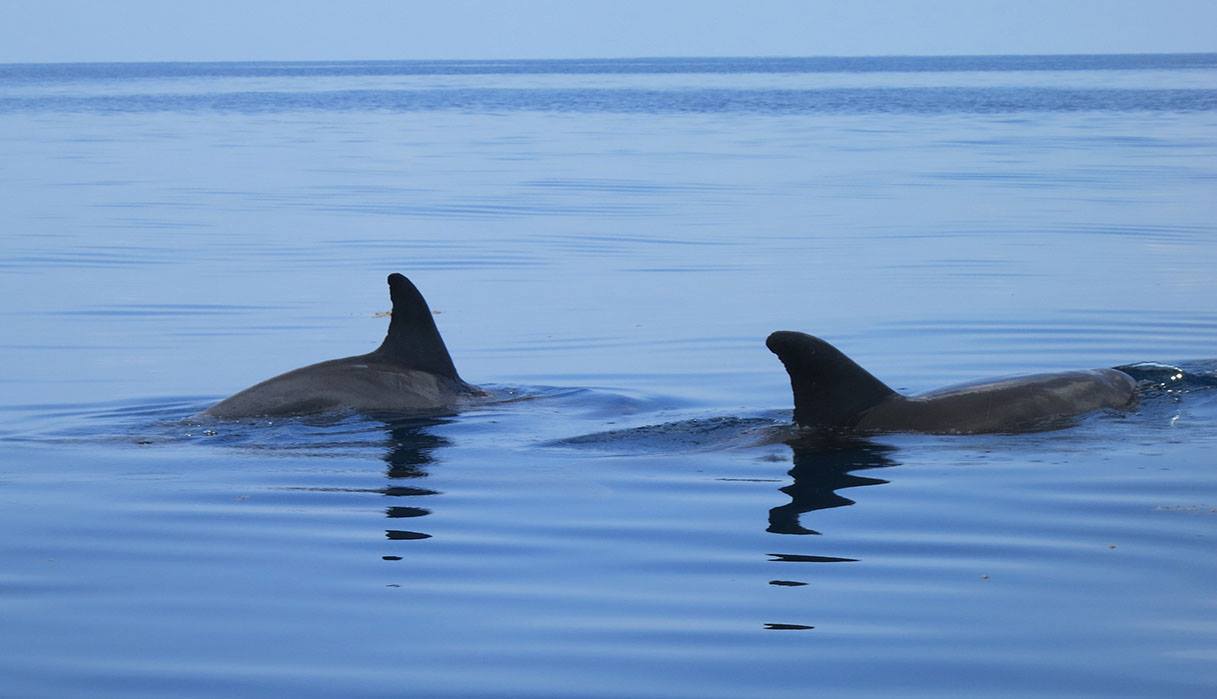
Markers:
606,245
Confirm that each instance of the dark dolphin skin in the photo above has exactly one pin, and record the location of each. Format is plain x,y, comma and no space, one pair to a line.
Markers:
411,371
832,393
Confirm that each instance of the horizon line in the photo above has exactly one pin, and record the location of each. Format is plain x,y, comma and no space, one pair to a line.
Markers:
573,59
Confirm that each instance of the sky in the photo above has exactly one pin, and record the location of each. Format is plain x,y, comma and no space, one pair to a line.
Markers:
48,31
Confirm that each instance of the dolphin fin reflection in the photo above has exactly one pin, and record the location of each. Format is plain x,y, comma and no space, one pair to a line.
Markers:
821,468
410,448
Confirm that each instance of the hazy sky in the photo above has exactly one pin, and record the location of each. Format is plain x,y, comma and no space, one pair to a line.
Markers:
207,30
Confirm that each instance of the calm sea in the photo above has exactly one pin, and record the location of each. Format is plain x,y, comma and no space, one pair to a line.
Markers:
610,241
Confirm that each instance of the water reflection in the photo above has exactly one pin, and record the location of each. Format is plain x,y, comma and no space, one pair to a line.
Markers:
411,445
821,468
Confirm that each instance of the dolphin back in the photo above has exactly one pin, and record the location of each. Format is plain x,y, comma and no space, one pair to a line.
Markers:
410,371
831,392
413,341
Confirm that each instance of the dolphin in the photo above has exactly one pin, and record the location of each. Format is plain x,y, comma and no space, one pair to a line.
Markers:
832,393
411,371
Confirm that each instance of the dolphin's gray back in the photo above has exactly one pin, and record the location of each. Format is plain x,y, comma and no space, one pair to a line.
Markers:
1017,404
831,392
410,371
366,383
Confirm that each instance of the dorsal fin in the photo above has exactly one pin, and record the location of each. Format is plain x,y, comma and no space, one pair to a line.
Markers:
830,390
413,339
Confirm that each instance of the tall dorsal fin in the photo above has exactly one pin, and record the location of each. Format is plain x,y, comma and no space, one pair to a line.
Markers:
830,390
413,339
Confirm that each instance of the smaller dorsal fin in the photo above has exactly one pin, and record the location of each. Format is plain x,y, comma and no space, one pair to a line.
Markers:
413,339
830,391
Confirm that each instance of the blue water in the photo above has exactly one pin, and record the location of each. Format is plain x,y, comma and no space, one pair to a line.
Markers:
606,244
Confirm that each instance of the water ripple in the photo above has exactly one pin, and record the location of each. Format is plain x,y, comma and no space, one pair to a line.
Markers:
1011,100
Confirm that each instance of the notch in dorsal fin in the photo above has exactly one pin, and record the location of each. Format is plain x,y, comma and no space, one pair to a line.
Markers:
413,339
830,390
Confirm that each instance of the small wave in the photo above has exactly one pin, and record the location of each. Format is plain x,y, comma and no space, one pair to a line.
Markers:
696,434
885,100
176,420
1155,377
